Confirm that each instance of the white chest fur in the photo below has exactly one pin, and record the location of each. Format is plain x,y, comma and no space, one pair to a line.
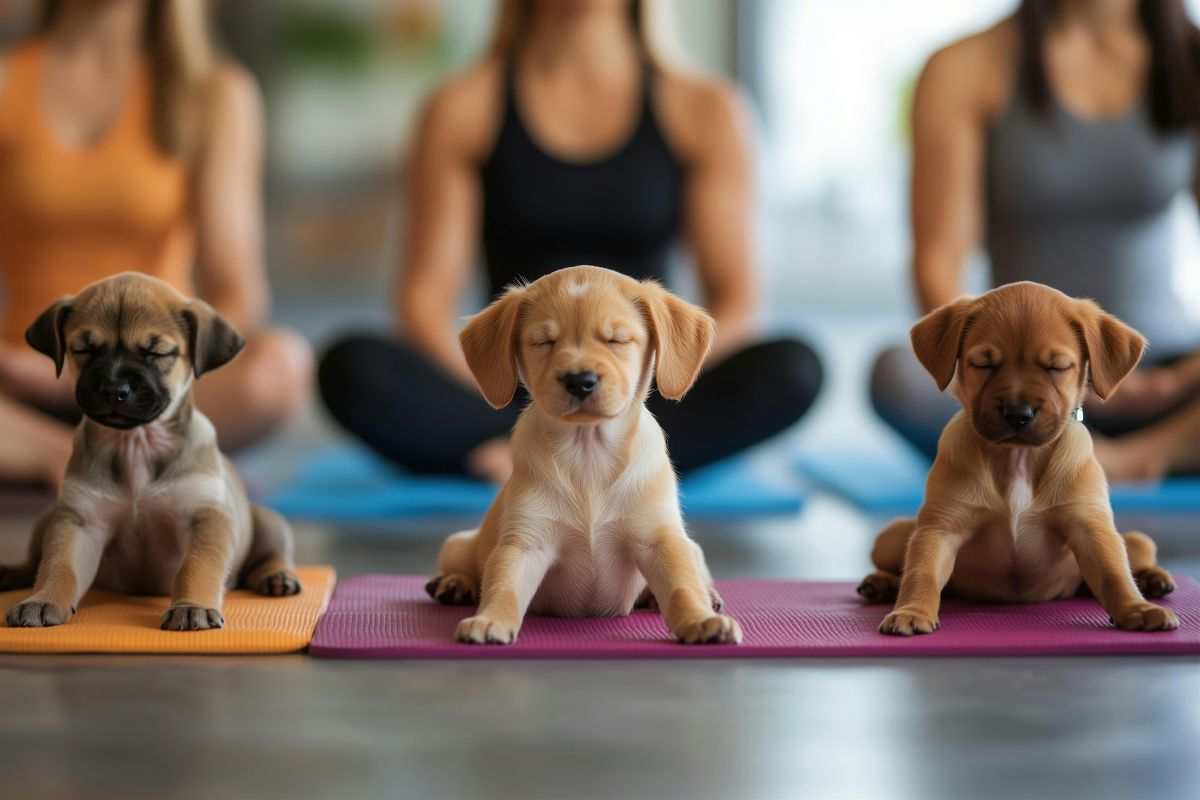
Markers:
1020,486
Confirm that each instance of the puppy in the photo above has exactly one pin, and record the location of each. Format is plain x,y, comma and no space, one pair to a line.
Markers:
590,515
148,505
1016,505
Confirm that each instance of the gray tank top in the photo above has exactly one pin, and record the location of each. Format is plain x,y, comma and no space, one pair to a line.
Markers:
1084,206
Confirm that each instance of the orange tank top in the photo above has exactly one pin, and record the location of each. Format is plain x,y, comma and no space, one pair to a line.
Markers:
73,215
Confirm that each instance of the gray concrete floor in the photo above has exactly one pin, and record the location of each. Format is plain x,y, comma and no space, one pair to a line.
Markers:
295,727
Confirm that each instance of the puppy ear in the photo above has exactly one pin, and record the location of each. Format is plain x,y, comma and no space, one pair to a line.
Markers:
489,341
937,339
46,334
682,335
212,341
1112,348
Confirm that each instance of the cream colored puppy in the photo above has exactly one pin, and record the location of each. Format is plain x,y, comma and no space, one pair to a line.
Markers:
590,516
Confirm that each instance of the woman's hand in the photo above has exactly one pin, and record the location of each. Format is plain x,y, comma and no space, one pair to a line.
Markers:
1152,391
30,377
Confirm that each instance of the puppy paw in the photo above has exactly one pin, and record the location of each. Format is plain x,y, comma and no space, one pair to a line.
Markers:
1145,617
191,618
453,590
1154,582
879,587
481,630
36,614
278,584
907,622
717,629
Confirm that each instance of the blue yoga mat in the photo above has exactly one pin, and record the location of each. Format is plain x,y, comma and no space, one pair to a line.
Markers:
893,482
350,483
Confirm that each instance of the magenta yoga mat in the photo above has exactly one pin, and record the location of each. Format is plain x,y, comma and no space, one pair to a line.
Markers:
390,616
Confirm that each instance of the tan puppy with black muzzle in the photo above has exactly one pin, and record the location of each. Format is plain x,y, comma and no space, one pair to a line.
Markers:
1016,506
148,505
590,516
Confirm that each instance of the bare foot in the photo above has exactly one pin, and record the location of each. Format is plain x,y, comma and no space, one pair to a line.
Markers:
1131,459
491,461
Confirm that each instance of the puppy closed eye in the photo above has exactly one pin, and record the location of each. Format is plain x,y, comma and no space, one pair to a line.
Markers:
152,356
1059,367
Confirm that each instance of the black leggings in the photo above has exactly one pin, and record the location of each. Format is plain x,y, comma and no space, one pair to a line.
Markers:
409,410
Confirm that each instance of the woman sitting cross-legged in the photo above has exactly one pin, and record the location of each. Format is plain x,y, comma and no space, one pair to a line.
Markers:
569,143
126,144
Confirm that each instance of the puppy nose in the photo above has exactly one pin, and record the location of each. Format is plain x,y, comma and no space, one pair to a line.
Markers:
580,384
119,392
1018,416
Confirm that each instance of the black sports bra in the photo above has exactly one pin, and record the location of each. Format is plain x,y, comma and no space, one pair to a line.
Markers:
541,213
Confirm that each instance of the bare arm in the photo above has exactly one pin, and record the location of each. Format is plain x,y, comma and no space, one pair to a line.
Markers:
230,272
24,373
719,213
443,221
947,174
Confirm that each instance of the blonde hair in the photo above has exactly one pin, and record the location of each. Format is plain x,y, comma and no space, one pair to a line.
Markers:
181,52
648,19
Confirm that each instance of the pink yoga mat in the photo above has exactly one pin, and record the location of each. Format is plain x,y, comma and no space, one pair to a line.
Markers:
390,616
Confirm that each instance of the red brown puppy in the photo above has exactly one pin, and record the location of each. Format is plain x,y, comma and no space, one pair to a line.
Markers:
1016,506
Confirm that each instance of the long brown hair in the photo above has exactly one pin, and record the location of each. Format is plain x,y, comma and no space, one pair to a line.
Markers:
1173,82
514,17
180,48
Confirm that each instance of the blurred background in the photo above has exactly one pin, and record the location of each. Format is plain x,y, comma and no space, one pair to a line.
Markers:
343,80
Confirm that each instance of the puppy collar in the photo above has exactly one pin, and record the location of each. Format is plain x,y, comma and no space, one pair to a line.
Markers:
1077,414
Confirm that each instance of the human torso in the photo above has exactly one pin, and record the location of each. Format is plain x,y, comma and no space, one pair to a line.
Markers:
544,210
70,213
1079,197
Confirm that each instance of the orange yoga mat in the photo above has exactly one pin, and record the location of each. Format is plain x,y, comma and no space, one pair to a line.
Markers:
116,623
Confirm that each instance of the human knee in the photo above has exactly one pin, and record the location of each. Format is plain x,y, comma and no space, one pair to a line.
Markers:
891,382
280,373
795,372
344,367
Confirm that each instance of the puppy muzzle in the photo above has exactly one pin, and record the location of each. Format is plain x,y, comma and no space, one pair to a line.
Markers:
1017,424
119,394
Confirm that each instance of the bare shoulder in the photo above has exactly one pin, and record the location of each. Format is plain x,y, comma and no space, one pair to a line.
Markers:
234,92
977,70
701,112
464,111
